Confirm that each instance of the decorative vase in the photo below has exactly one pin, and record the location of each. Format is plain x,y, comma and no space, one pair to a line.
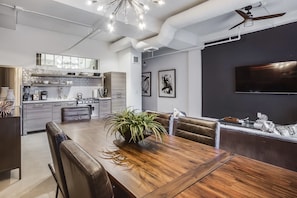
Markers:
10,95
127,137
3,93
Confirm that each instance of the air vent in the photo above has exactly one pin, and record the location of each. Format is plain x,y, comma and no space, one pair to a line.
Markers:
150,49
135,59
221,41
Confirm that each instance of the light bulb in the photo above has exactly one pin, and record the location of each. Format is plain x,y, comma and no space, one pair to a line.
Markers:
111,16
89,2
146,7
161,2
110,27
100,8
141,25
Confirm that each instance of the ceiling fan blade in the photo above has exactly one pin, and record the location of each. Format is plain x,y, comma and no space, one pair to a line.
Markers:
237,25
243,14
269,16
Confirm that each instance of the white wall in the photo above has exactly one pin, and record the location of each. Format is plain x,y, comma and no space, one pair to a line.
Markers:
194,83
133,76
19,47
188,83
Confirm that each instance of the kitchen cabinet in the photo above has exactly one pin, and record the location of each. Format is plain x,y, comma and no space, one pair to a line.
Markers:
115,82
95,110
104,107
57,109
35,116
73,114
10,147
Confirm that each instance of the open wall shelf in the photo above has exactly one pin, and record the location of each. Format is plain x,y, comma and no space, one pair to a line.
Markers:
66,76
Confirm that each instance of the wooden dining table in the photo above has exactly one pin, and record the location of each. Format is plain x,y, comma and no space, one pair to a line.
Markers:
177,167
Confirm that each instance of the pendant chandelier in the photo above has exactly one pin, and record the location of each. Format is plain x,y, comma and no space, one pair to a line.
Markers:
120,8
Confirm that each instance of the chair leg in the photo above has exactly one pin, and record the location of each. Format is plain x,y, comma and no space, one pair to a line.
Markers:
54,175
20,173
57,191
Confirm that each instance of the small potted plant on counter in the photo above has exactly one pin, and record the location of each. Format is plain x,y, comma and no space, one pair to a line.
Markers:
134,126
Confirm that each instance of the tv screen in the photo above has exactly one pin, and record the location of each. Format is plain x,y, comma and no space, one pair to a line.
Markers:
280,77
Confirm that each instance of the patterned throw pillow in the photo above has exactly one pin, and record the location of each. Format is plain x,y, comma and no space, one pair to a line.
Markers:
287,130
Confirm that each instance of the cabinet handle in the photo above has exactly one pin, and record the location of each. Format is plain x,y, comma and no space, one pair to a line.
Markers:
37,105
118,95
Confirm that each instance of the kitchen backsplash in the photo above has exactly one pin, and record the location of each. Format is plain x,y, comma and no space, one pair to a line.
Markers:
78,85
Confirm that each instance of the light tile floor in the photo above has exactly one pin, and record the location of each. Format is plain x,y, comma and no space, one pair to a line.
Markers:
37,181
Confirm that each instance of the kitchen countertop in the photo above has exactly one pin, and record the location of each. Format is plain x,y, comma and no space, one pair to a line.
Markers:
105,98
57,100
49,100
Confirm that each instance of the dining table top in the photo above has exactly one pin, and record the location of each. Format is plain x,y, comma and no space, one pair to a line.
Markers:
177,167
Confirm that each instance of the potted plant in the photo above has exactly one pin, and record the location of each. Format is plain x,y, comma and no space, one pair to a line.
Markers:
134,126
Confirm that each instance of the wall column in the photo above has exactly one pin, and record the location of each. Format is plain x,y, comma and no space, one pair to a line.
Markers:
194,83
133,76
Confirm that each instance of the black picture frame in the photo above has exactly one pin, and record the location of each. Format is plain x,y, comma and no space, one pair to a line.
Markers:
146,81
167,83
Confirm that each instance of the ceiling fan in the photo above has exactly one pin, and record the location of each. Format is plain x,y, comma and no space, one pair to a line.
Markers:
248,16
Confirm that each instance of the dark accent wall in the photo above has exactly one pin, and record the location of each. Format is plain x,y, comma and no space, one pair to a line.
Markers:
218,76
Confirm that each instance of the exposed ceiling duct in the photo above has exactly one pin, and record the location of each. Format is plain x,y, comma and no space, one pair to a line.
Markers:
170,32
180,25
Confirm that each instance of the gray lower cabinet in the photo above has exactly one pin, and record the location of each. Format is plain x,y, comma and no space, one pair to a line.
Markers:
36,115
104,108
57,109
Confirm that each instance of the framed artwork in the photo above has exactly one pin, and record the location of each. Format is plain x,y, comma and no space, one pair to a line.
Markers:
167,83
146,83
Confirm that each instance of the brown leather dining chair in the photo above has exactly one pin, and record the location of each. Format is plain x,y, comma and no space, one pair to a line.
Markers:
196,129
162,118
55,137
85,177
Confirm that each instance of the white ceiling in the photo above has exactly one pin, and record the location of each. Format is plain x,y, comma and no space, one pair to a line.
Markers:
178,24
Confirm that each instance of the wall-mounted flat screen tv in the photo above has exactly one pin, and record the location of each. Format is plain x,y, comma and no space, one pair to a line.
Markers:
275,78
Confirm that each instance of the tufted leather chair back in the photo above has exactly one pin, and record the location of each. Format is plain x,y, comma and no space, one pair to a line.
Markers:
55,137
85,177
163,118
195,129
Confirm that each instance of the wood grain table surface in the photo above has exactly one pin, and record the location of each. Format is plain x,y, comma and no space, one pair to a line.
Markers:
245,177
178,167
